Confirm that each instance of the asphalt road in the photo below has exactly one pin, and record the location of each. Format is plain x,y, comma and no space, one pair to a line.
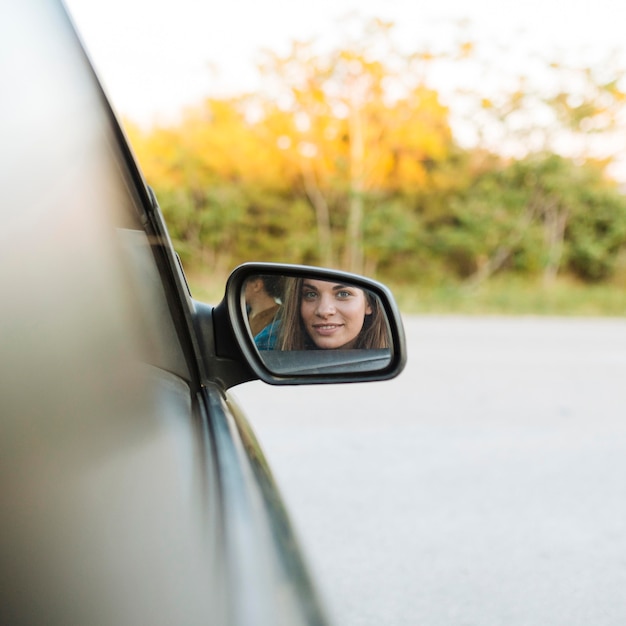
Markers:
484,486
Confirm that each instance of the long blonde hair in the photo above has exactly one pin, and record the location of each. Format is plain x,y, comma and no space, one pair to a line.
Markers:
293,335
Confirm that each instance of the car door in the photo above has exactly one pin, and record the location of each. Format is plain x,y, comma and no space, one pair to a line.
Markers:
133,488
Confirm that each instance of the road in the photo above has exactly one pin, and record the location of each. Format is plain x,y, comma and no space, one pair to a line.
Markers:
486,486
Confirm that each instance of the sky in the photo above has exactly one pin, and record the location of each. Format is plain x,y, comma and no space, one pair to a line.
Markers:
155,57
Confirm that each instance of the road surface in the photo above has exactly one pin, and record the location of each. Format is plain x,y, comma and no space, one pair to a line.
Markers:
486,486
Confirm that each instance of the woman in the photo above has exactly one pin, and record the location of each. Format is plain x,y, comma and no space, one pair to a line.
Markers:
318,314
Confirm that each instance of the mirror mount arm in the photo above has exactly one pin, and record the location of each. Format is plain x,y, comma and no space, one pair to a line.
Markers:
221,357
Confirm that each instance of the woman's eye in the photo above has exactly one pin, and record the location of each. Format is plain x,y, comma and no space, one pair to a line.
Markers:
309,295
343,294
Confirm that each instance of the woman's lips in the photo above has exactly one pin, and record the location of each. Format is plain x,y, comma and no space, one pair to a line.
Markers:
326,329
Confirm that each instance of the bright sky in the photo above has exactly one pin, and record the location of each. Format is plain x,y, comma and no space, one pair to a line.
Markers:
155,56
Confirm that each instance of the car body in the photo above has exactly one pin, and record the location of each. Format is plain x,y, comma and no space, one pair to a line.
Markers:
133,488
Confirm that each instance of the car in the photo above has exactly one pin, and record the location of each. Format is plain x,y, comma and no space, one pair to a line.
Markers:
134,490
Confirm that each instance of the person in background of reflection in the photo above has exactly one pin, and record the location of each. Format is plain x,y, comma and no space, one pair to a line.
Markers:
262,295
319,314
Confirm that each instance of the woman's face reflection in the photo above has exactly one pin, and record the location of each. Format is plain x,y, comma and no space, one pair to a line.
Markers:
333,313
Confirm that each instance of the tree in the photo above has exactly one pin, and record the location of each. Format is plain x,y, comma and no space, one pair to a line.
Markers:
363,123
542,214
347,158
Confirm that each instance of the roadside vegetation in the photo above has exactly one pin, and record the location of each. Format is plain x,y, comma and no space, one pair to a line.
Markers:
351,158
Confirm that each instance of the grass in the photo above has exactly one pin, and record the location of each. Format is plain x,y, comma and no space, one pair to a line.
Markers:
498,296
514,297
206,287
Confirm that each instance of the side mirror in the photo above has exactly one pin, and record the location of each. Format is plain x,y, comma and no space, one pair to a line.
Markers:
296,324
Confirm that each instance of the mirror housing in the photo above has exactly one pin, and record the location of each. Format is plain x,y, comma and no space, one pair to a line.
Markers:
310,364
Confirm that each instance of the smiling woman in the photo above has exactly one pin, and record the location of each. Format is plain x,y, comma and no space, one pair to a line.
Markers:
333,314
326,324
320,314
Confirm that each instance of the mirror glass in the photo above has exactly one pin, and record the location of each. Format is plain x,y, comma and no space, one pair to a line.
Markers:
303,325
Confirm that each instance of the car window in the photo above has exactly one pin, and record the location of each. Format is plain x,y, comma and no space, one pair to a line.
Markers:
82,287
158,333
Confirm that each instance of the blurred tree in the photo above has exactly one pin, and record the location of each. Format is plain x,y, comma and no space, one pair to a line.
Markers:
224,185
363,122
543,213
347,158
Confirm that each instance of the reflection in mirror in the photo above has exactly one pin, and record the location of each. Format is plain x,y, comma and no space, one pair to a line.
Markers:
307,325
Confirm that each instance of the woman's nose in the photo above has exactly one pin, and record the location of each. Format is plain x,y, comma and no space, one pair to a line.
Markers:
325,306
